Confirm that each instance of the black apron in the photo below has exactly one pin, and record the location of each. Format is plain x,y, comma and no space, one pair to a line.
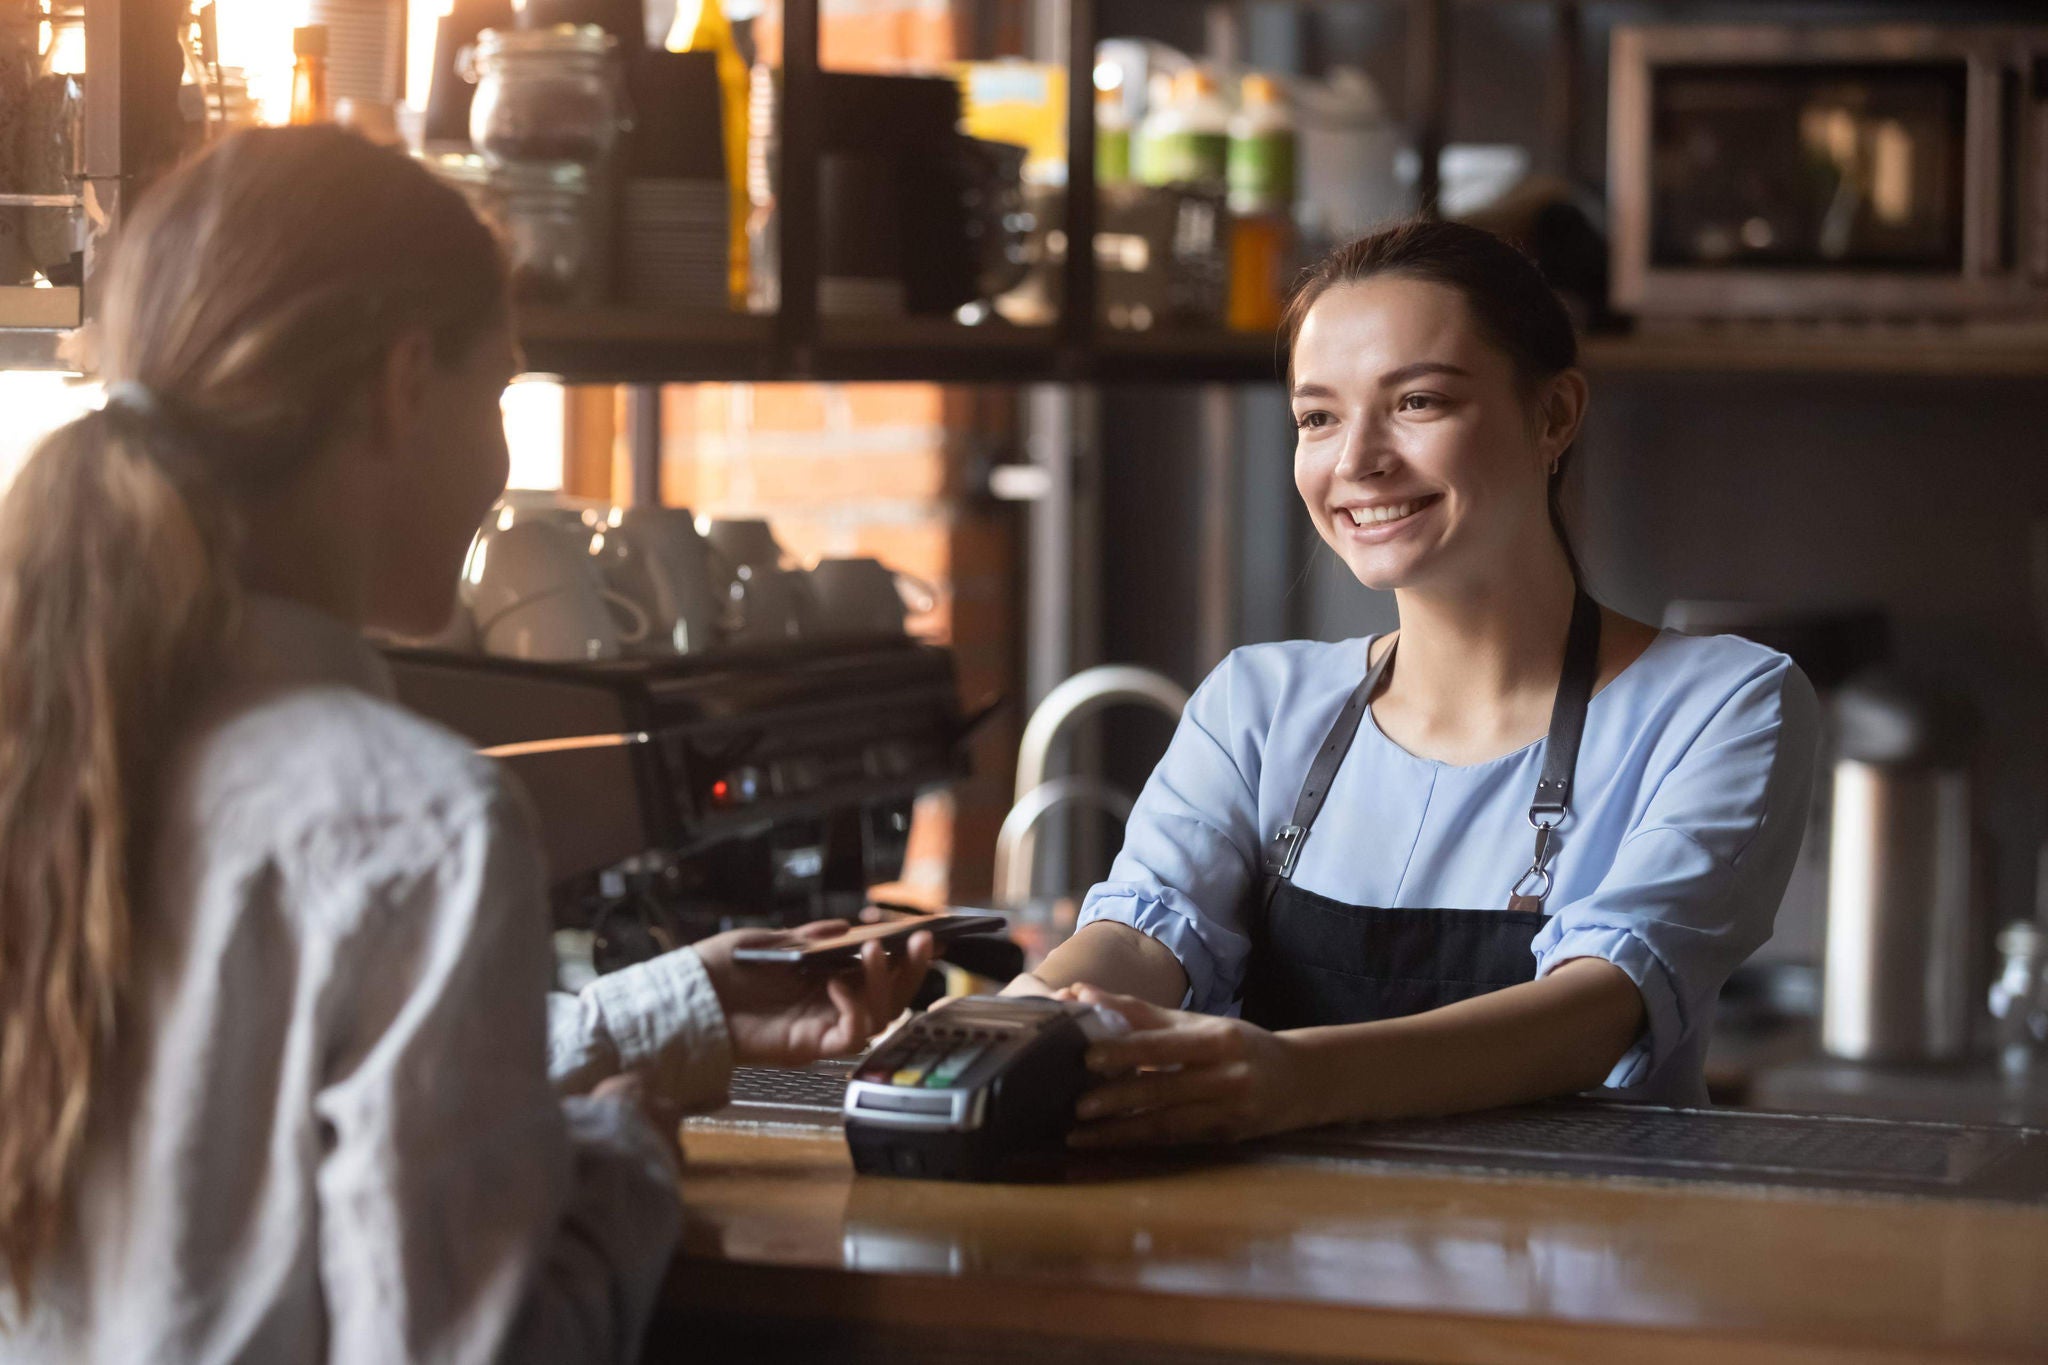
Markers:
1315,960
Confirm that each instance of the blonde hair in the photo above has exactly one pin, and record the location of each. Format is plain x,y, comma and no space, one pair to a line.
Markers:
253,297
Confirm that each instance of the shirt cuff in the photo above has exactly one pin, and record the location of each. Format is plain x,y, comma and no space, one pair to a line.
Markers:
1176,932
664,1020
1663,1023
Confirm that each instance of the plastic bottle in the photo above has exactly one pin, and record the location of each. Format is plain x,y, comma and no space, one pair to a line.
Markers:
1262,148
309,74
703,27
1112,139
1262,185
1185,140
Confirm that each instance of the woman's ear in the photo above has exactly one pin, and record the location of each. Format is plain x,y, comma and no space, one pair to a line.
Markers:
399,393
1560,412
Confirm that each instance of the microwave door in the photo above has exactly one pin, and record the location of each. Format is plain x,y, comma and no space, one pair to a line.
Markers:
1825,168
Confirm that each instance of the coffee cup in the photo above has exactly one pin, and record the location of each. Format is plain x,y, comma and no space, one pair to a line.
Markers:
535,592
862,596
744,541
659,560
771,606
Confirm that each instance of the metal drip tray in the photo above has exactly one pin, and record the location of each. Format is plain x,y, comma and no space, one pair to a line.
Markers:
820,1088
1730,1146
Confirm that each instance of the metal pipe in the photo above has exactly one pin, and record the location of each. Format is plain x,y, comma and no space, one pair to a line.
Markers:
1013,862
1081,696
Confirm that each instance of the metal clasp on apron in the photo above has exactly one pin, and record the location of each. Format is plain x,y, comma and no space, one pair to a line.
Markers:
1539,871
1288,845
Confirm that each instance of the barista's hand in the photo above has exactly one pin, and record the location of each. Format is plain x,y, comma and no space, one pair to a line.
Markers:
1180,1077
1024,983
778,1015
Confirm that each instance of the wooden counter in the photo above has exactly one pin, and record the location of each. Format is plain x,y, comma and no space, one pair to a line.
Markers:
1145,1260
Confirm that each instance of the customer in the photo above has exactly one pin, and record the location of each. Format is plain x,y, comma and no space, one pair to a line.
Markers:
275,1042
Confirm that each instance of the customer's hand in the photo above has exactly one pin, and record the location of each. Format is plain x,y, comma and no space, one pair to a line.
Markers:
1180,1077
781,1015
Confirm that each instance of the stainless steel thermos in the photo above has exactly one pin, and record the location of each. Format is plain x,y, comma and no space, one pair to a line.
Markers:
1898,979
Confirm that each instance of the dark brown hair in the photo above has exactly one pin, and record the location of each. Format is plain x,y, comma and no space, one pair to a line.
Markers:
254,295
1513,306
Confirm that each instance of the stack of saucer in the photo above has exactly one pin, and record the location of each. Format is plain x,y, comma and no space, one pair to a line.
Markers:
673,243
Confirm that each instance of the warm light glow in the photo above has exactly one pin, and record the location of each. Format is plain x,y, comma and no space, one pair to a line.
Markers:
256,35
66,49
422,26
536,419
37,402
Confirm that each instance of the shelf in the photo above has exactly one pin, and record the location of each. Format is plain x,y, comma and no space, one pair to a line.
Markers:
1168,356
628,345
48,310
621,345
2013,351
934,349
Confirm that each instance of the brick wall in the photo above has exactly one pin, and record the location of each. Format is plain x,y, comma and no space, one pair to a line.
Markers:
872,35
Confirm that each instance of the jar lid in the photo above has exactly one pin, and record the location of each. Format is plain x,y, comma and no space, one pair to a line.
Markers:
559,40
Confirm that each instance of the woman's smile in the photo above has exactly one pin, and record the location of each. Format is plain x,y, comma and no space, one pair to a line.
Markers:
1378,521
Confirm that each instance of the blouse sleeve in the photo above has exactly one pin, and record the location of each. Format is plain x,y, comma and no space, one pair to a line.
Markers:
660,1018
1191,849
466,1212
1695,884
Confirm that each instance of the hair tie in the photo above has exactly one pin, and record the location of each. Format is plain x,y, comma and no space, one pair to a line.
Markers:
136,399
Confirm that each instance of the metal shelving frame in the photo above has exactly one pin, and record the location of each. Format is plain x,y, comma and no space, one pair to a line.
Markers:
36,324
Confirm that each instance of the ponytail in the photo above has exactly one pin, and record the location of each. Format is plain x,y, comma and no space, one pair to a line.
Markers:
255,294
112,596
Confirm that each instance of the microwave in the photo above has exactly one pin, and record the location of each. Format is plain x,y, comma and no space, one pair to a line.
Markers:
1861,173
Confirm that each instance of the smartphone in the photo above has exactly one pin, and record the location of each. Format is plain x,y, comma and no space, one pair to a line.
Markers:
843,950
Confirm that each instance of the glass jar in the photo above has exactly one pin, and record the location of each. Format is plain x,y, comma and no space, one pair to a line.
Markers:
546,96
547,217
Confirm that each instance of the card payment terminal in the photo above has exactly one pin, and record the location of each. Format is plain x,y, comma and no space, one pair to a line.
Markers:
983,1089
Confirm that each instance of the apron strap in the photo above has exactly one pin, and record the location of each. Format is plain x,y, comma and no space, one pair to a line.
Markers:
1553,786
1568,713
1322,772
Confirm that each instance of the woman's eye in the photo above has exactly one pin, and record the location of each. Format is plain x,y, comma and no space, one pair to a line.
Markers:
1419,402
1312,421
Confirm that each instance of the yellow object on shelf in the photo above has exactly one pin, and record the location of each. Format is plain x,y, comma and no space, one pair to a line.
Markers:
1024,103
702,27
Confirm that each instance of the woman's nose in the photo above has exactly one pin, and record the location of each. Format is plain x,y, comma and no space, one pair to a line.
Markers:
1365,451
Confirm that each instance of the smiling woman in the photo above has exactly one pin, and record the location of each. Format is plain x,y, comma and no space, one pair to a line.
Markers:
1333,869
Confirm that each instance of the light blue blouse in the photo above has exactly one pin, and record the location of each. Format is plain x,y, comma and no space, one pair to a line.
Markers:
1687,809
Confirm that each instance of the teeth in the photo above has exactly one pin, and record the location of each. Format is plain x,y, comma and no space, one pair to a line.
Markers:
1374,516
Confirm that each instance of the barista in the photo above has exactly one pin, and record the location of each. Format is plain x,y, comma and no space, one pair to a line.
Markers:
1509,851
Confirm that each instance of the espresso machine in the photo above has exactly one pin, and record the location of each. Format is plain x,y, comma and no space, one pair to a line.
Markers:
678,797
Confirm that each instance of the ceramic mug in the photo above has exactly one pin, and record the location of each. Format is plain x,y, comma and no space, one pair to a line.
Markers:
771,606
659,560
535,592
744,541
865,597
